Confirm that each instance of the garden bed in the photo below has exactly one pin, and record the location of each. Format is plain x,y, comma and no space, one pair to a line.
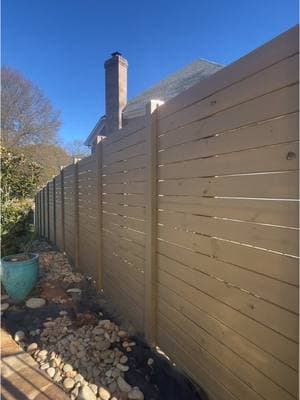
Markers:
83,345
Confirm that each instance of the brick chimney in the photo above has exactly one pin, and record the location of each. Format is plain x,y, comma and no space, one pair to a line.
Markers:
115,91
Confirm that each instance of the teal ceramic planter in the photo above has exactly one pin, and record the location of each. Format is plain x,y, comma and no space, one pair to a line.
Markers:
19,274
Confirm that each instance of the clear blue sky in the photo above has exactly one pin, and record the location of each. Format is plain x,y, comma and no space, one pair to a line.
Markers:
61,44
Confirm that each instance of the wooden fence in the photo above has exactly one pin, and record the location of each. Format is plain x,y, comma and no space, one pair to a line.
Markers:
188,220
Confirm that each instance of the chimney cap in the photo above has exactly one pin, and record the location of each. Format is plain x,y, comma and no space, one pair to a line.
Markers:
116,53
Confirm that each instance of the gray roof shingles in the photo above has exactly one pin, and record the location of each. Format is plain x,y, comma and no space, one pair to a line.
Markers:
171,86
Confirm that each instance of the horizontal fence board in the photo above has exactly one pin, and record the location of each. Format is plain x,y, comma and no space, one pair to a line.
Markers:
137,237
267,339
136,263
132,126
274,212
129,283
243,348
238,376
136,224
283,185
134,188
128,199
192,366
281,157
273,265
271,105
125,243
135,175
125,142
124,154
129,211
280,239
285,323
125,165
266,288
123,302
281,129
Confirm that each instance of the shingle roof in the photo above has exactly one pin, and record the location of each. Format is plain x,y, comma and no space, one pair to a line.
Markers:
171,86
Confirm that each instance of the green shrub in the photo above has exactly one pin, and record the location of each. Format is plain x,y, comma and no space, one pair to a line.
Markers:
15,225
20,178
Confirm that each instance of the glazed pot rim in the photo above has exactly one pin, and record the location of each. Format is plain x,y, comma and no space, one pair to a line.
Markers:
7,259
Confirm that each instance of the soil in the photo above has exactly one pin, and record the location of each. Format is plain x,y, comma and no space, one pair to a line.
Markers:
20,257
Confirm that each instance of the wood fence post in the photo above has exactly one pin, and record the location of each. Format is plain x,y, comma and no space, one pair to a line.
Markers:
44,213
76,217
99,215
36,212
62,209
40,213
54,210
48,212
151,222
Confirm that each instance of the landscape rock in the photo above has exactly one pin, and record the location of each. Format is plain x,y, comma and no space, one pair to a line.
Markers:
104,393
86,393
68,383
51,372
19,336
32,347
150,361
123,385
135,394
74,290
67,368
35,302
4,306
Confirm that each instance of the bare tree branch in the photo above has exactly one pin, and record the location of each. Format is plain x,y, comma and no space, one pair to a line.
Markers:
27,115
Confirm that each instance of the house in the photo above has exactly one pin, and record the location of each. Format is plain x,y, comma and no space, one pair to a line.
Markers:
118,111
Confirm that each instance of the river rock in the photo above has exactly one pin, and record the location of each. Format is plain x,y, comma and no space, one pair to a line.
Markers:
43,354
104,393
67,368
51,372
32,347
19,336
135,394
122,367
93,387
78,378
4,306
86,393
123,385
68,383
35,302
4,297
123,359
74,290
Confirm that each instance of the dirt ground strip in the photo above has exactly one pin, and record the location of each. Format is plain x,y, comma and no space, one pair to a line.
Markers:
82,344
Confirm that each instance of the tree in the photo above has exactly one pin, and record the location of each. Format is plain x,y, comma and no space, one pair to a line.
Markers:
77,149
50,157
27,115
